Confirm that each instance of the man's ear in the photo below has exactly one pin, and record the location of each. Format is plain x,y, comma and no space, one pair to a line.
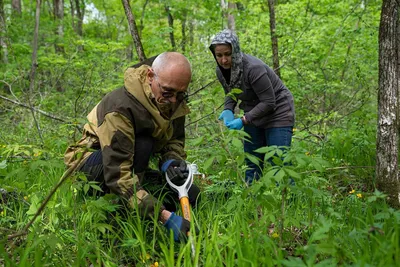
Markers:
150,74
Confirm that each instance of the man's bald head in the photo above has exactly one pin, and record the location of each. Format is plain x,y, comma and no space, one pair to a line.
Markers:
169,76
173,64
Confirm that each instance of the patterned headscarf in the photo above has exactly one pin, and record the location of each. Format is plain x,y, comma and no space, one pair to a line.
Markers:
229,37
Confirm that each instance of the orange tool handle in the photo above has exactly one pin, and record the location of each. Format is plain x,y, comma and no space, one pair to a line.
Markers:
185,208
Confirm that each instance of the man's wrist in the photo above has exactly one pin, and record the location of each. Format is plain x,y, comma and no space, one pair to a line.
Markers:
164,216
244,120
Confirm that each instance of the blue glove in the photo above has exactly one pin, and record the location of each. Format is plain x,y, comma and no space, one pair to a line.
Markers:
227,116
236,124
179,226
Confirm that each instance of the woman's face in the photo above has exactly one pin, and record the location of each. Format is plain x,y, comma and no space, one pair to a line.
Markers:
223,54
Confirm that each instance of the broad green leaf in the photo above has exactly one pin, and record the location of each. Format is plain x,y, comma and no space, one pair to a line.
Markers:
208,163
265,149
198,141
279,176
3,164
86,188
292,173
95,186
253,158
237,143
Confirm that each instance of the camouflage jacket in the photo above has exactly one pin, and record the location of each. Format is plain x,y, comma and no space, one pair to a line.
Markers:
112,126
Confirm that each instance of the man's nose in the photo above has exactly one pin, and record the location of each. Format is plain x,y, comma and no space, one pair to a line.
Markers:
172,99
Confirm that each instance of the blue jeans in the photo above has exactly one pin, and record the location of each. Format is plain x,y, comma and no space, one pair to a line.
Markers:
280,136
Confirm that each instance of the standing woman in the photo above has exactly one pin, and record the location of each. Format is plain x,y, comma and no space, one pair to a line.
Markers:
267,104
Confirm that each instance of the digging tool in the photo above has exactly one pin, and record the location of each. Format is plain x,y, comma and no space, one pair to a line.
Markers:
182,191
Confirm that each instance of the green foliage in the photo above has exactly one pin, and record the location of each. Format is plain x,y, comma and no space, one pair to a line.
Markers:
331,216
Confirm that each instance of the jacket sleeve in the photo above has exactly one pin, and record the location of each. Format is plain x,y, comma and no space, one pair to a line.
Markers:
262,86
229,102
175,147
117,138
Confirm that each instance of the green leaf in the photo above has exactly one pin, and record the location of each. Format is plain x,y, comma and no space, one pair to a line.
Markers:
317,166
279,176
300,160
236,91
264,149
131,243
96,187
198,141
292,173
271,173
86,188
293,262
253,158
208,163
3,164
237,143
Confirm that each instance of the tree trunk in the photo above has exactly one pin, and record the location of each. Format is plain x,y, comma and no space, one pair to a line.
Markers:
16,7
34,66
59,17
3,31
171,27
133,30
141,26
80,12
183,42
387,179
274,38
226,7
191,33
71,2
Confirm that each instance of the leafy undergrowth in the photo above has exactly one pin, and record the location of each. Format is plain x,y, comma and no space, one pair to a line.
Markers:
329,217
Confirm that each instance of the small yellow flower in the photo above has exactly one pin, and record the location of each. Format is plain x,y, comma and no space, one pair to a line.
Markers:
275,235
2,213
308,153
154,264
26,197
359,195
352,191
294,129
146,257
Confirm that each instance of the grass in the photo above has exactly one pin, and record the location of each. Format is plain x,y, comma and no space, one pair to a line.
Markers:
330,217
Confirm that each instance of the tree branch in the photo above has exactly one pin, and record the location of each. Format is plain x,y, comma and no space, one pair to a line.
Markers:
205,86
34,109
66,175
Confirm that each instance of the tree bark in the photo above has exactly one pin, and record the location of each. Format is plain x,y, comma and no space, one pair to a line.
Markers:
387,133
133,30
34,66
59,17
171,27
141,26
3,31
274,37
71,2
16,7
80,12
226,7
191,33
183,42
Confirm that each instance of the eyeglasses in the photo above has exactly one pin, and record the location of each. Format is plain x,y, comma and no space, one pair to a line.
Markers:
170,92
